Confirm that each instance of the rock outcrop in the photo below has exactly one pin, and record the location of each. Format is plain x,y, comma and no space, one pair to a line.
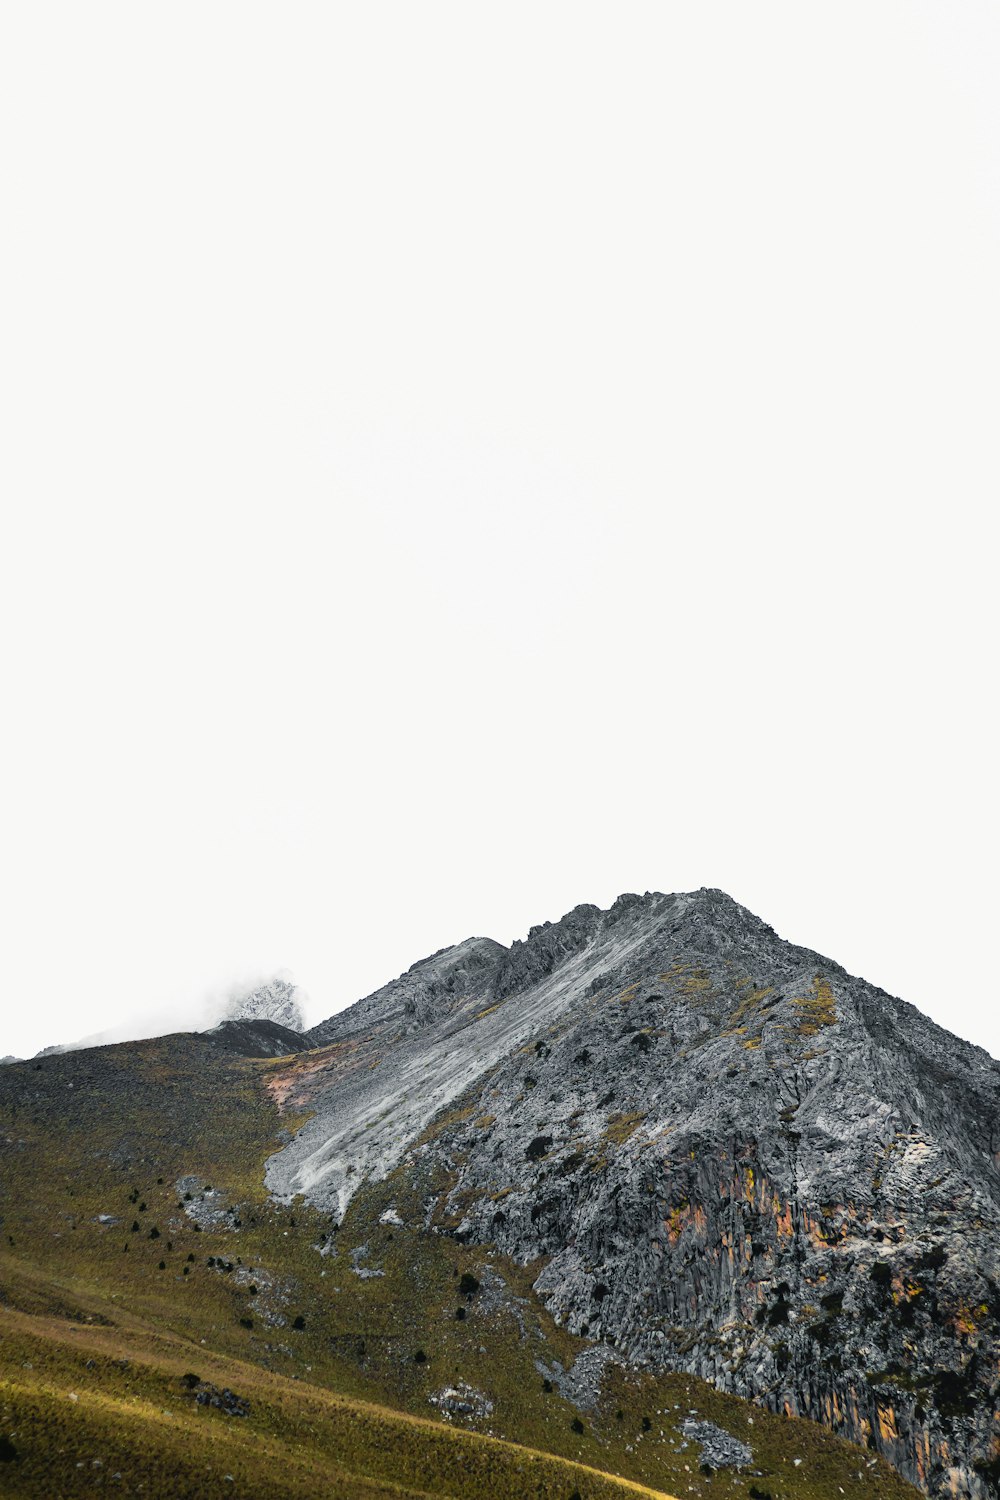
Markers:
729,1156
276,1001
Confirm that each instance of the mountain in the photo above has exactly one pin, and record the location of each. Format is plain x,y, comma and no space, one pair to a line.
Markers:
277,1000
266,1021
631,1198
735,1160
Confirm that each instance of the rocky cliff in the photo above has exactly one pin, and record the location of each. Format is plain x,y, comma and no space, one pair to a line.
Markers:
276,1001
728,1157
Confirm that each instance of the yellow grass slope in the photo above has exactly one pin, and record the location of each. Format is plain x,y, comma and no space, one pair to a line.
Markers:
92,1409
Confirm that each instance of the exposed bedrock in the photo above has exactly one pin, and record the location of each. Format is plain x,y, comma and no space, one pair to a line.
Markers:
737,1160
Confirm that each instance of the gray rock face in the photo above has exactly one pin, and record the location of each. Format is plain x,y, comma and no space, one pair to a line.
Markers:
428,992
276,1001
737,1160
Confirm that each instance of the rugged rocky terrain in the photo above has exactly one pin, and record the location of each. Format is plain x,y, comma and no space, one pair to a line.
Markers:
727,1155
591,1195
277,1000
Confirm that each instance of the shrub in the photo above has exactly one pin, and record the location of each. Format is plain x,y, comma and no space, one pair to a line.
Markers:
933,1260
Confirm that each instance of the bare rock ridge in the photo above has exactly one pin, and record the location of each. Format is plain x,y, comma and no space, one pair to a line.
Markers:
276,1001
731,1157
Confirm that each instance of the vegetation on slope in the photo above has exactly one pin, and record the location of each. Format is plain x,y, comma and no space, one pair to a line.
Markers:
139,1248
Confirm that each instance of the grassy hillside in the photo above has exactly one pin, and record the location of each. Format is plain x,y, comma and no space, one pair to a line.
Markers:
143,1268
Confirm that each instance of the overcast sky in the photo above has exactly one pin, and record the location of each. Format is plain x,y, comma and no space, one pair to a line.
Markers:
459,461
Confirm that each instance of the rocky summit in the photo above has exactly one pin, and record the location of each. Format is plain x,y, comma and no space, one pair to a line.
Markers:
277,1001
721,1153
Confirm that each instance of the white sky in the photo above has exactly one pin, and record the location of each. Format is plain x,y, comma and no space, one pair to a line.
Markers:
459,461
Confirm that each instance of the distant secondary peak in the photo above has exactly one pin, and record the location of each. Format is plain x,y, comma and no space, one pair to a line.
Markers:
277,1000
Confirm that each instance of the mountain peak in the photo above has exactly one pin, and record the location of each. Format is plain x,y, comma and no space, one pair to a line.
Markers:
276,1000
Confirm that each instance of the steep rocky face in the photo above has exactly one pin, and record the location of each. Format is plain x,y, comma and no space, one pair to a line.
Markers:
731,1157
276,1001
429,991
